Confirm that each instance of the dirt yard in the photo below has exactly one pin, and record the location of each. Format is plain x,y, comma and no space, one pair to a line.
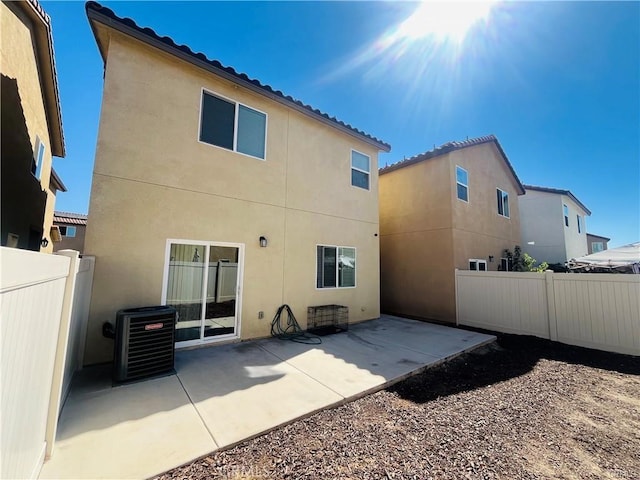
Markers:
522,409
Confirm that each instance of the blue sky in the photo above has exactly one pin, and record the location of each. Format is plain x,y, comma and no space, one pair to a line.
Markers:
557,82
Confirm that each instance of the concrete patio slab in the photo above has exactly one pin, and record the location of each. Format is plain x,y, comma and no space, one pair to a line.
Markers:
225,394
240,399
132,431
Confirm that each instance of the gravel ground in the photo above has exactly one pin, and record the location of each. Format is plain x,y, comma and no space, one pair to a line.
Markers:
523,408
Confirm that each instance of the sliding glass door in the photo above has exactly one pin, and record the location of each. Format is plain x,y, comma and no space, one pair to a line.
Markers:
202,282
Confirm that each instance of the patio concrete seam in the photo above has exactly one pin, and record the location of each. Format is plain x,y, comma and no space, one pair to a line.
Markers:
195,407
303,372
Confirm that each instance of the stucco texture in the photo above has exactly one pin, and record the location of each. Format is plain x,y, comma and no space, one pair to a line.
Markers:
18,62
427,232
153,180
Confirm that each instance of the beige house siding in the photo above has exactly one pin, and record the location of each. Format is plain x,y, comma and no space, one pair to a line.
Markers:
153,180
427,232
72,243
18,62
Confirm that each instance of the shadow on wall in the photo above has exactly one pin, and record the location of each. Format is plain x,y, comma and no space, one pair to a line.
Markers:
23,200
511,357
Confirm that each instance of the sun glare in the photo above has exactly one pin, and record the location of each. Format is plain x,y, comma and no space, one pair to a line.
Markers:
445,20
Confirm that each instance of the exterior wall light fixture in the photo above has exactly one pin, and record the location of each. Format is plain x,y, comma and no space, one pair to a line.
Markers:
263,241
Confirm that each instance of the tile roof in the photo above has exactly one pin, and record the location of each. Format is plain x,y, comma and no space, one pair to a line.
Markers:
559,192
70,218
106,16
451,147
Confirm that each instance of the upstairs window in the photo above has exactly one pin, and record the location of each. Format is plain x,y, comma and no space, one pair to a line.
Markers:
477,265
597,246
579,220
565,209
38,158
336,267
360,168
503,203
462,183
66,231
233,126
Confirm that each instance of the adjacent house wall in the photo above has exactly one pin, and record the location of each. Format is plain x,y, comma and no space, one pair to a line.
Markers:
27,203
155,178
72,243
479,232
542,219
542,222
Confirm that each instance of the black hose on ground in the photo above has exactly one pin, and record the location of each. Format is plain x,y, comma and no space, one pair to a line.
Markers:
292,330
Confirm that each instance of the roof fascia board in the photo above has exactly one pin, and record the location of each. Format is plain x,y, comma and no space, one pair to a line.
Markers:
125,29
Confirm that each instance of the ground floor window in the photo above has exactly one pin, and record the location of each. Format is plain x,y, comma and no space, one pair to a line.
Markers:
336,266
506,264
478,265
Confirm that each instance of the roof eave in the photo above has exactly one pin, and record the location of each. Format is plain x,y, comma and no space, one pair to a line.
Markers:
95,16
48,78
57,181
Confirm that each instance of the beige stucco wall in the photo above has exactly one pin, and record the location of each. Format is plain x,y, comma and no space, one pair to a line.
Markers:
153,180
426,232
72,243
478,230
18,61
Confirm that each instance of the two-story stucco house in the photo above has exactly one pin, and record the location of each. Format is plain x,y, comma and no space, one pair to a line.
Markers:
451,208
31,126
221,196
553,224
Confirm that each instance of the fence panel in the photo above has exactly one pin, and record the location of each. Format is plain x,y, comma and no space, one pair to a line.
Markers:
32,289
598,311
79,318
507,302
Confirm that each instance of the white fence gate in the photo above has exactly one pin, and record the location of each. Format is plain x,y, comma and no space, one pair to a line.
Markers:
599,311
39,304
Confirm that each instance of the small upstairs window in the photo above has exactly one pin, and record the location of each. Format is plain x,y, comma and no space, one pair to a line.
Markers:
67,231
360,169
233,126
597,246
38,158
503,203
579,220
462,184
565,209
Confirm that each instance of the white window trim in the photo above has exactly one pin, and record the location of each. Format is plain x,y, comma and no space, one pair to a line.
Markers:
502,193
565,216
235,124
67,227
39,146
360,170
506,261
464,185
239,288
600,247
478,261
579,223
315,280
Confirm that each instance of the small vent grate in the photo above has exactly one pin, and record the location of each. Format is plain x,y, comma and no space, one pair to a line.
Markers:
144,344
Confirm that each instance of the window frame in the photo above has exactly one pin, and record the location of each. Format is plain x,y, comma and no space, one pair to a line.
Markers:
506,262
501,203
360,170
462,184
38,158
478,261
236,104
600,247
73,229
565,212
337,247
579,222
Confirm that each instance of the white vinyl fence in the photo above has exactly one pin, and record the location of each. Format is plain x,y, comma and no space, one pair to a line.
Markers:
599,311
185,282
38,308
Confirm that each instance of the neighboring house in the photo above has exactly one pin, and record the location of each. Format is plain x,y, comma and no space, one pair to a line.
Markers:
31,126
596,243
221,196
553,224
71,227
451,208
